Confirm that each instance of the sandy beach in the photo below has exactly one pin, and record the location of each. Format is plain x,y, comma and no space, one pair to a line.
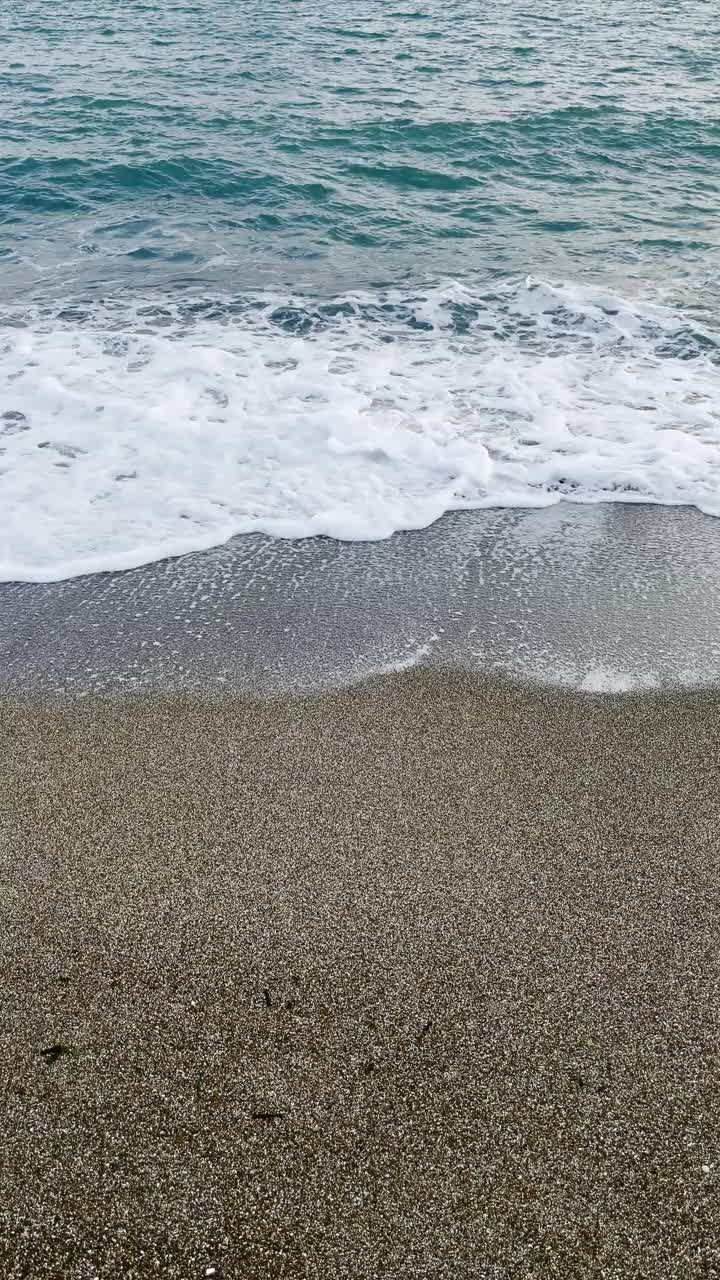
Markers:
418,979
359,641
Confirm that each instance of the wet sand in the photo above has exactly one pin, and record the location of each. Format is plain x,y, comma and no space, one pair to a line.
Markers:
418,979
611,597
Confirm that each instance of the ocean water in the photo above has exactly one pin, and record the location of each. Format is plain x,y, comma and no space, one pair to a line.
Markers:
337,269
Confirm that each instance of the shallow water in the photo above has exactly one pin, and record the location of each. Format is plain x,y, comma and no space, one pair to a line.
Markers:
603,598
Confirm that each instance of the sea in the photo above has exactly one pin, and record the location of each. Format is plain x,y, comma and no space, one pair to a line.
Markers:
335,269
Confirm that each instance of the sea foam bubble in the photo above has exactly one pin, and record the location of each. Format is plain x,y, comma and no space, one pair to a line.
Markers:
133,433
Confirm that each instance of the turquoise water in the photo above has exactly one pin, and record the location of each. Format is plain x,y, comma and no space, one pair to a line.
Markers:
409,167
238,144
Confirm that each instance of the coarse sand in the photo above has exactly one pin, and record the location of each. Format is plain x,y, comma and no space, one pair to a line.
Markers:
416,980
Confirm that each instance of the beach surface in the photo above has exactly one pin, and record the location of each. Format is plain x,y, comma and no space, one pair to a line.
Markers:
415,979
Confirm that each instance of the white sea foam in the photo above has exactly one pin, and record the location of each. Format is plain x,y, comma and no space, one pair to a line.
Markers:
130,435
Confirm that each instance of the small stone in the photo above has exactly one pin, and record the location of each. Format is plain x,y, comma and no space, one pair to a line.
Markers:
55,1051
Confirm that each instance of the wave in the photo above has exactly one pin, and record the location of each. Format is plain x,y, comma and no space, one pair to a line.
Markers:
132,433
569,145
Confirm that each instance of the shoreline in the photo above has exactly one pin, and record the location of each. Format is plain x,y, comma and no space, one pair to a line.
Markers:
416,976
605,598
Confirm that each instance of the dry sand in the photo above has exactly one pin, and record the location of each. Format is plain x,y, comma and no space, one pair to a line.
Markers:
420,979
